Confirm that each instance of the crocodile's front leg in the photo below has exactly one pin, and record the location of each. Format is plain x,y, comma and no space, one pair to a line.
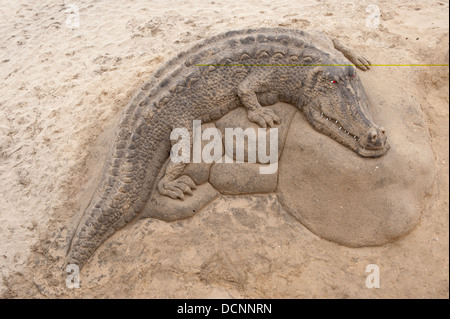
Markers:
255,112
357,59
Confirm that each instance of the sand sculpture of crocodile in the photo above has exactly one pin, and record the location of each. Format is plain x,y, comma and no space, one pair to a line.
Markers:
270,65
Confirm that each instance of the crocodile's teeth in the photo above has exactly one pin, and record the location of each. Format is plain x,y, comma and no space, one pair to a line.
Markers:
336,121
340,127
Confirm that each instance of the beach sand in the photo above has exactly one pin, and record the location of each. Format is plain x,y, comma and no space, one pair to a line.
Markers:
66,77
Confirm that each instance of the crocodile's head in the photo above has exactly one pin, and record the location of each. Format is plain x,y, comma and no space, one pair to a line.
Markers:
339,108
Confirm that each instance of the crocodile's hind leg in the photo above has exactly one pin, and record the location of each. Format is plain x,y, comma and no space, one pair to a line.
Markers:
173,183
357,59
165,208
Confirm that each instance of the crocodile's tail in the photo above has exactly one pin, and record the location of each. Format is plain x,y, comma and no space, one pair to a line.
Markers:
140,149
125,187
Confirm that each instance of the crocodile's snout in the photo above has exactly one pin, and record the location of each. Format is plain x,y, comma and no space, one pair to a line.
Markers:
374,139
373,143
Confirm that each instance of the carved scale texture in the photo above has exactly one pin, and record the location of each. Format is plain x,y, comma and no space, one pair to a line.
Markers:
179,92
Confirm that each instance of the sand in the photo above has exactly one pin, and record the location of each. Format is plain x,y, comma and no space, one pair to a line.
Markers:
63,86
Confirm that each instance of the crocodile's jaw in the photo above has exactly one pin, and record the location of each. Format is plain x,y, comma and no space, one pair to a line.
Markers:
340,132
373,153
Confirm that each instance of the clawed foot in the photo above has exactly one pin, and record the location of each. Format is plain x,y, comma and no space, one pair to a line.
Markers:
360,62
263,117
176,188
